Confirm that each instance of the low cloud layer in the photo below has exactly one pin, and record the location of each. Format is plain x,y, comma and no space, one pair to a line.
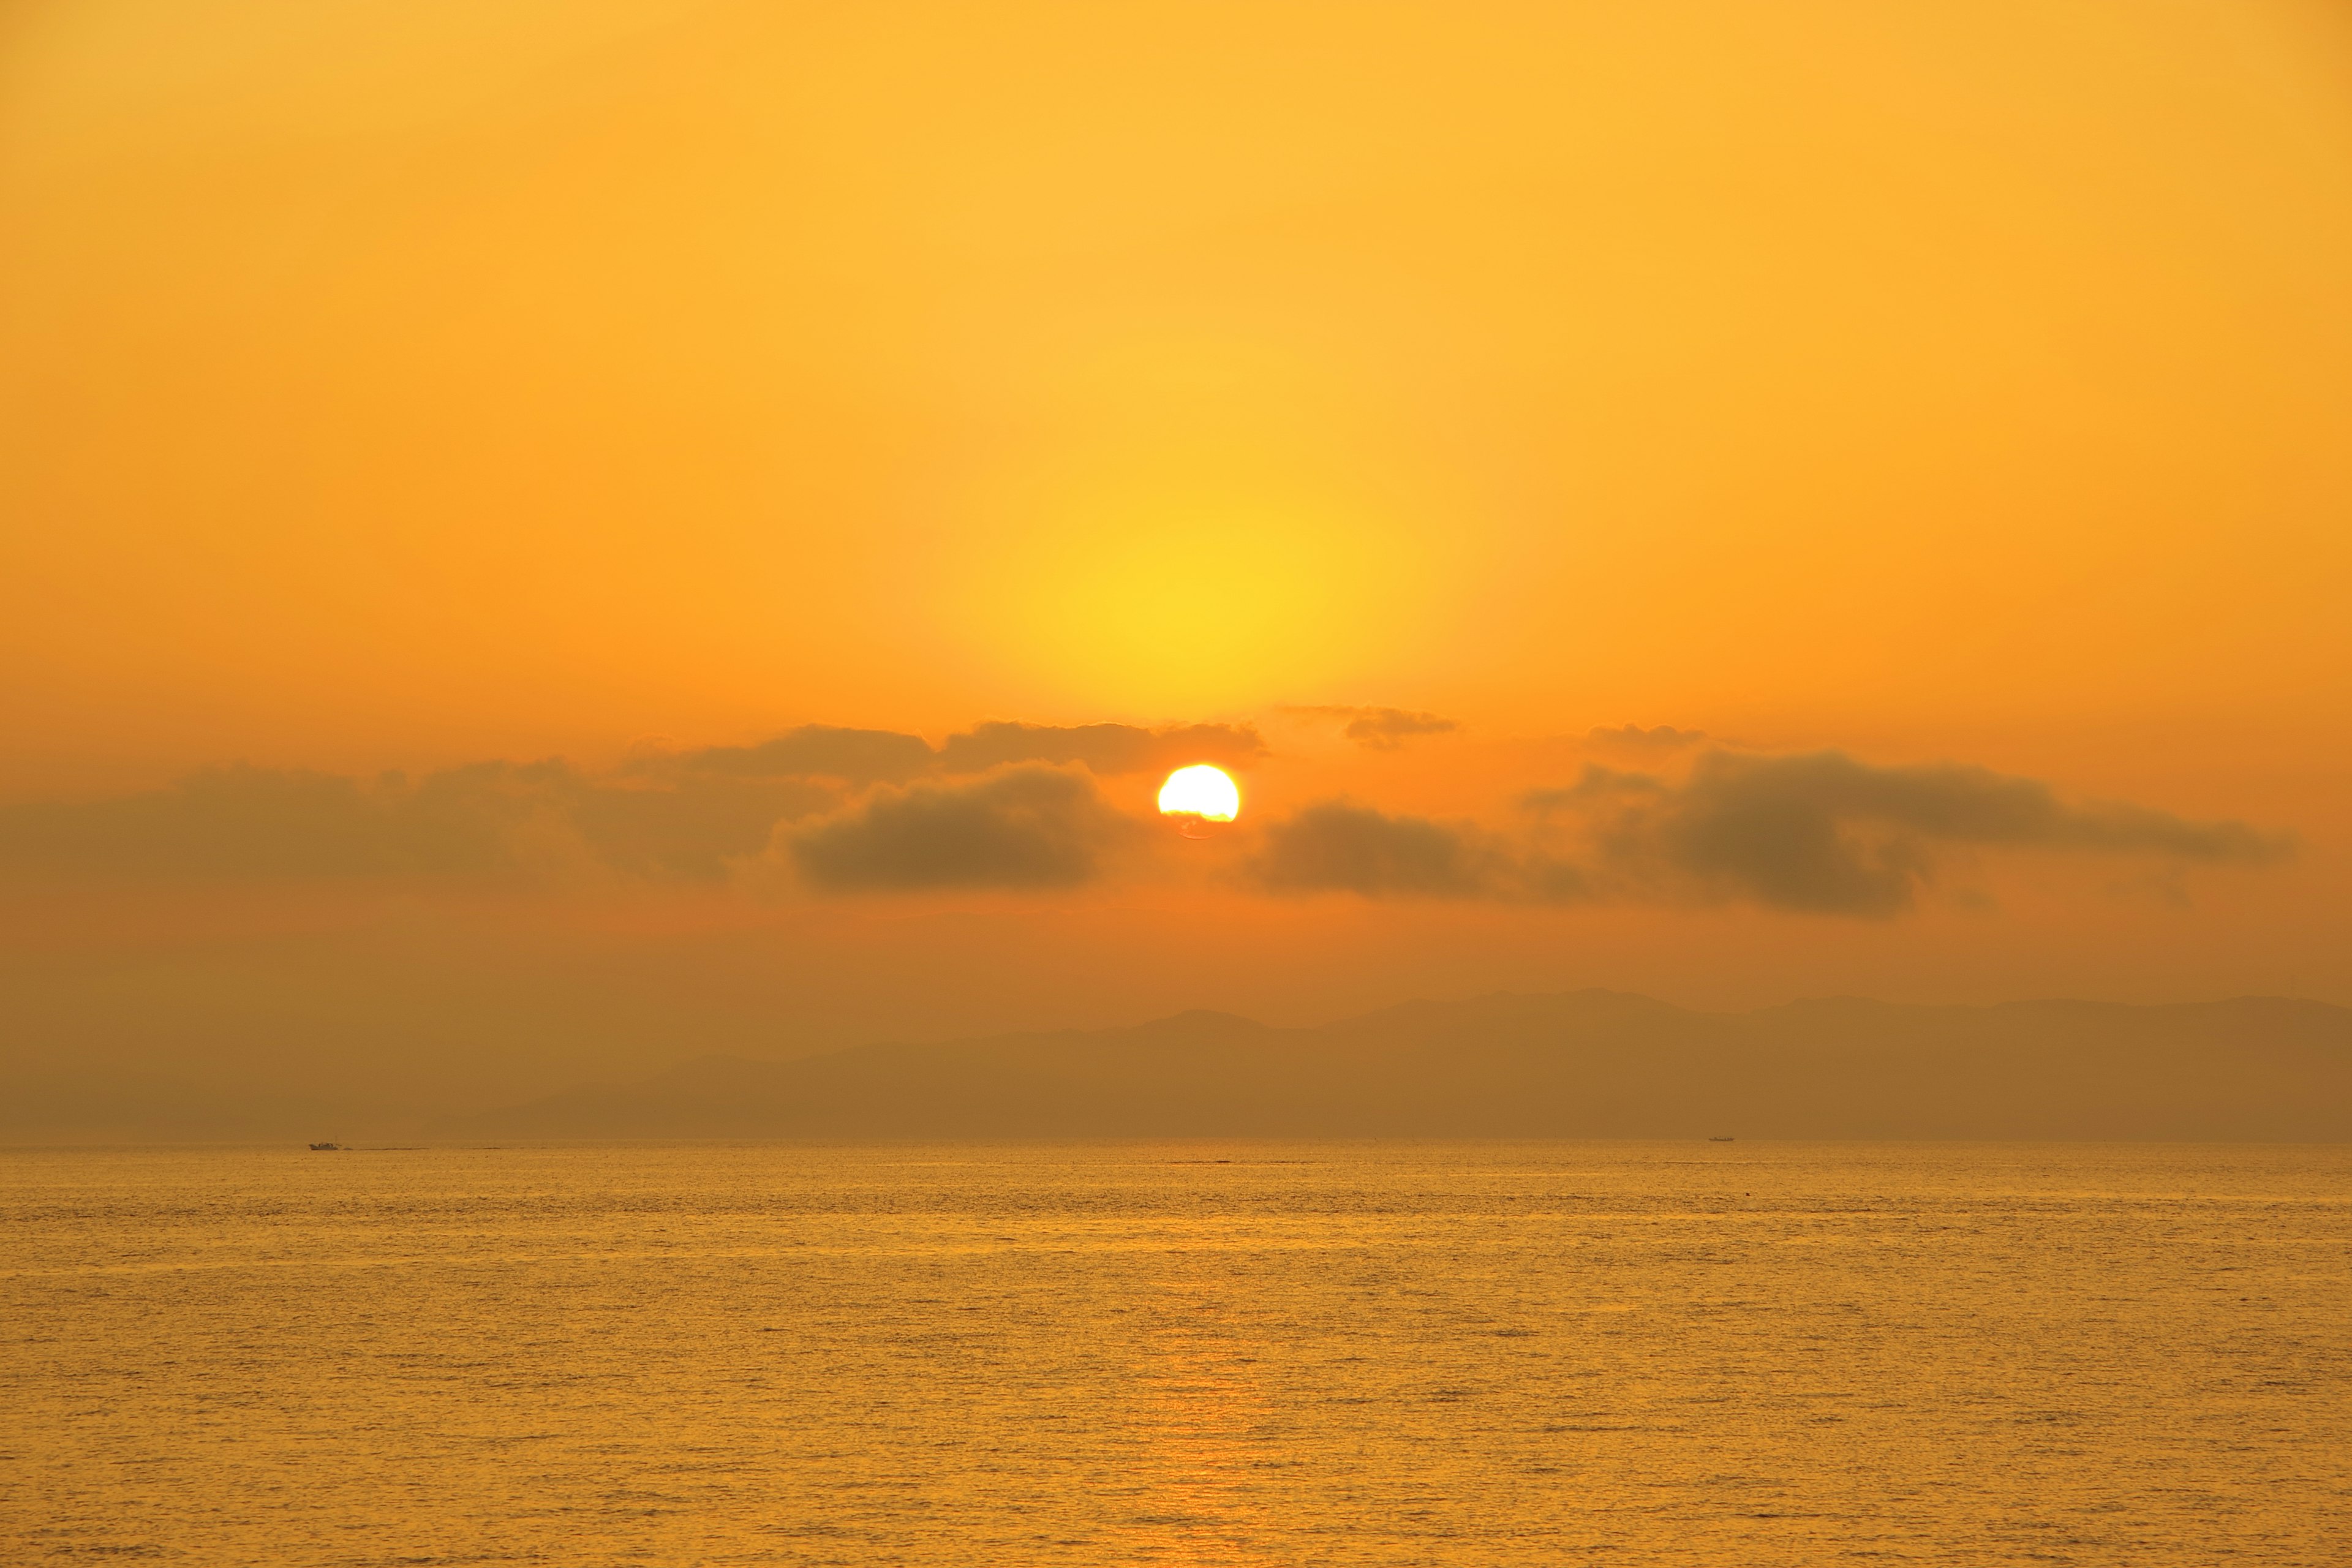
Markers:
1338,845
1027,826
1017,806
1660,740
1828,834
690,815
814,751
487,820
860,757
1820,834
1382,728
1106,750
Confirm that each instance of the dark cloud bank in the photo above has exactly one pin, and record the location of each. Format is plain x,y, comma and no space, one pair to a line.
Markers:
1821,833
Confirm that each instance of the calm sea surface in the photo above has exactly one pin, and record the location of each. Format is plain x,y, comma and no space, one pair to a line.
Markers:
1179,1353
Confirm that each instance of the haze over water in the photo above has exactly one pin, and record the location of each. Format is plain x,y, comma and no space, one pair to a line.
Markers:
1234,1353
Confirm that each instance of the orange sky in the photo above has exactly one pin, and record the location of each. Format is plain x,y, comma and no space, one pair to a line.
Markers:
412,385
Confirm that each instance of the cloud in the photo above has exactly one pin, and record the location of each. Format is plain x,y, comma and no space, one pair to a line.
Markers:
860,757
1633,738
1826,834
1029,825
698,829
694,814
1104,749
1382,728
1386,728
1818,834
1597,785
1338,846
813,750
226,822
536,822
486,820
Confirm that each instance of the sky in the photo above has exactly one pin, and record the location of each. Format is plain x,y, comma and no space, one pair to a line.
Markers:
546,539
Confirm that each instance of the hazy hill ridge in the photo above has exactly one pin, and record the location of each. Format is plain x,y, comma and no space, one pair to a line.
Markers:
1581,1064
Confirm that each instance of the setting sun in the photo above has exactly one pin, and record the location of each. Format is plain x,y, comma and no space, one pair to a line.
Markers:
1201,790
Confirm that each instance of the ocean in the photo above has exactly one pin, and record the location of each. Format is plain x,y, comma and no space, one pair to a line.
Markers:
1179,1353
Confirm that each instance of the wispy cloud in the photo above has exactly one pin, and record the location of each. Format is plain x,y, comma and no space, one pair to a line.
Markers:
813,750
1658,740
1380,729
1106,750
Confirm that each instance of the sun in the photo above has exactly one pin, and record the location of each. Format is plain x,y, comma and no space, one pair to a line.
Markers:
1201,790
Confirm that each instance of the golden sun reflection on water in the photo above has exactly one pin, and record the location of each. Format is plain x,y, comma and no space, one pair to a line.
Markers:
1359,1353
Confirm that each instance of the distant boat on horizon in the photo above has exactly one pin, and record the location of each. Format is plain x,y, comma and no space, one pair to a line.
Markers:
336,1146
1711,1141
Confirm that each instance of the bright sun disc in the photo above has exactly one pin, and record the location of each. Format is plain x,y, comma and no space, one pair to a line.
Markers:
1201,790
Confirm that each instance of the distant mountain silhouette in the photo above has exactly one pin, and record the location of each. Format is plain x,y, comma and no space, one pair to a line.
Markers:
1583,1064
